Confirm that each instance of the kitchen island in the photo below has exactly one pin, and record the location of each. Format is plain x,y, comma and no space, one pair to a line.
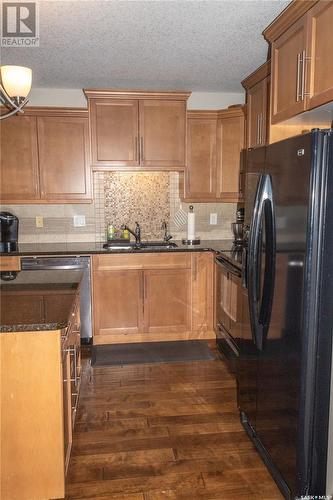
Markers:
40,381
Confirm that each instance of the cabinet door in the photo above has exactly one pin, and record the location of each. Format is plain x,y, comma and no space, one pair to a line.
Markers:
202,291
230,142
114,132
63,158
162,133
287,72
320,64
256,114
167,300
200,174
19,159
117,305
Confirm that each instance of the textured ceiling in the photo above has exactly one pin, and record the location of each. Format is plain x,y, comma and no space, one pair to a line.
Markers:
181,44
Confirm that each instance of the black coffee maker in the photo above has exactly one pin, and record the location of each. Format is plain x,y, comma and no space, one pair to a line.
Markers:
8,232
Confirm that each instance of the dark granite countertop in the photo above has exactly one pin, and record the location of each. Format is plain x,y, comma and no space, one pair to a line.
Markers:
38,300
80,248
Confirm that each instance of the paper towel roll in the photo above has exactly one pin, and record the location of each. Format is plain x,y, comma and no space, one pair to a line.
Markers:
191,226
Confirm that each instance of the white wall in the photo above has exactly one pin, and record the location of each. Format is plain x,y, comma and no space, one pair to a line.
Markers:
75,98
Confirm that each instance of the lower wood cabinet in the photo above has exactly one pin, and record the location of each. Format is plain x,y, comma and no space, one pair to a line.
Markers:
118,302
40,381
166,300
152,297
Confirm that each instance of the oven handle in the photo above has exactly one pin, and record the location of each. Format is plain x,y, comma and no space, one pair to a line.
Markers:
227,338
229,267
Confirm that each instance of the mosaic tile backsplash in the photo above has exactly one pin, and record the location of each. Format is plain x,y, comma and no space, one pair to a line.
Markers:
142,197
123,198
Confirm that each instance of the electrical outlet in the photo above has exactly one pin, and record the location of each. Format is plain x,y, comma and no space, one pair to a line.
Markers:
39,221
213,219
79,220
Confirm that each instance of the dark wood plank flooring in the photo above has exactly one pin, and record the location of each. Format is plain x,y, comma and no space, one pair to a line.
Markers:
147,432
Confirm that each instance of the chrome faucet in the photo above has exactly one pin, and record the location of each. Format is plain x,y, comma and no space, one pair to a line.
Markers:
167,236
136,233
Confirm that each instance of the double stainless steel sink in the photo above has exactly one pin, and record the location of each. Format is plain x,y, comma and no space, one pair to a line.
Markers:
152,245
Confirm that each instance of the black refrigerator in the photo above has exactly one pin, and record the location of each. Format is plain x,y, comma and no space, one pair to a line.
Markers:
284,368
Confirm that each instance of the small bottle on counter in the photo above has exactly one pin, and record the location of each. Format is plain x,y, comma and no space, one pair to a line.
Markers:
111,232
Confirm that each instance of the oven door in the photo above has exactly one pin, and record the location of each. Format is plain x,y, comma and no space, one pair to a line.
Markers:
228,348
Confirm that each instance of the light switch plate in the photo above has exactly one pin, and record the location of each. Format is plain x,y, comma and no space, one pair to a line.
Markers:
79,220
39,221
213,219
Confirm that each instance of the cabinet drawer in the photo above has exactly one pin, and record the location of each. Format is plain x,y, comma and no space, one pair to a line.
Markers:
10,264
142,261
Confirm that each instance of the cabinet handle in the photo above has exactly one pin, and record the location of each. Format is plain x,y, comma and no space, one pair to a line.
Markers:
145,287
260,128
298,79
136,149
194,268
257,133
303,75
141,287
142,149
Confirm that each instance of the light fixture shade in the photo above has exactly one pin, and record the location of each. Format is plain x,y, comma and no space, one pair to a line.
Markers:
16,80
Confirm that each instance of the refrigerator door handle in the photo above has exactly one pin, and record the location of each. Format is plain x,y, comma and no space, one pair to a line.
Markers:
270,253
253,262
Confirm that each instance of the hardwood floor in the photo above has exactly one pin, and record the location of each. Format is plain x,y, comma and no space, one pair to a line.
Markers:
147,432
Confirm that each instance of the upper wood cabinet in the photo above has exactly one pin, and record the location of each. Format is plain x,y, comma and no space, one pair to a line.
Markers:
257,90
230,142
215,140
63,158
319,83
45,157
134,130
302,67
19,159
287,72
200,177
115,132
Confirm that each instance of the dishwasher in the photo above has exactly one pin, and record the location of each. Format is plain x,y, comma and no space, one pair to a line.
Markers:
70,264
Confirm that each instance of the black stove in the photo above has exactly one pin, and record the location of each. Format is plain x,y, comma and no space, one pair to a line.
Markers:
235,255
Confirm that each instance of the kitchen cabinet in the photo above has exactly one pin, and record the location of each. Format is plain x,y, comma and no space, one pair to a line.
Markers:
200,177
302,67
166,300
10,263
118,302
115,132
319,62
19,159
40,409
45,157
257,116
162,133
63,158
230,142
215,140
137,130
152,297
287,72
202,266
